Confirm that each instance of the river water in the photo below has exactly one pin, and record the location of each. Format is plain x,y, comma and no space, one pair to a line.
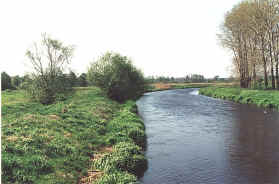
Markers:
195,139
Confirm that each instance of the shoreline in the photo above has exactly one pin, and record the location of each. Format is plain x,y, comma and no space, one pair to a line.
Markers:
170,86
261,98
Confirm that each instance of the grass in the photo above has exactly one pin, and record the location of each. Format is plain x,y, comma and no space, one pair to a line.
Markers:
262,98
56,143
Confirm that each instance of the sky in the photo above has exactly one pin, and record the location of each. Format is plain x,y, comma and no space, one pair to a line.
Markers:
162,37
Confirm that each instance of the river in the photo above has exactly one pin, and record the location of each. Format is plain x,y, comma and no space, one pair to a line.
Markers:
194,139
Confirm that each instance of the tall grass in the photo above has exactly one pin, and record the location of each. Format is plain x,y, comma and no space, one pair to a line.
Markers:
262,98
55,143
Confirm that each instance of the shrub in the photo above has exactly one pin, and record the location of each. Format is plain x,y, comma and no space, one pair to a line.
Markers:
117,76
6,81
48,62
117,178
126,157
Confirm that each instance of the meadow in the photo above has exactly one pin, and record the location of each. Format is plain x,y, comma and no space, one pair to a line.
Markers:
262,98
87,138
167,86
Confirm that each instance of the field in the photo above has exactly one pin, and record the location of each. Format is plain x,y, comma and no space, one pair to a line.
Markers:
86,138
166,86
262,98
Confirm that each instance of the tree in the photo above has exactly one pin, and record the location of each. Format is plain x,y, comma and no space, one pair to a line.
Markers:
216,78
117,76
73,79
48,59
82,80
16,81
250,31
6,82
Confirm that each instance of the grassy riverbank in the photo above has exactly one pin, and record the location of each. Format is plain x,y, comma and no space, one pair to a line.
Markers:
261,98
86,138
167,86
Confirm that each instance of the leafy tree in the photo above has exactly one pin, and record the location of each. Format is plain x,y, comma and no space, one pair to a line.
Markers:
82,80
49,59
250,30
6,81
216,78
117,76
16,81
72,79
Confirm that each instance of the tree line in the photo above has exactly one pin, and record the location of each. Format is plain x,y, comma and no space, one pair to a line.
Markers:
49,82
251,31
18,82
190,78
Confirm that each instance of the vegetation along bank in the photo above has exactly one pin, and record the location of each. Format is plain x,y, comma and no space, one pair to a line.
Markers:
168,86
86,138
262,98
55,132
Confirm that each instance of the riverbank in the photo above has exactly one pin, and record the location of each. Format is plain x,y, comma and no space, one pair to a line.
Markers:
85,138
168,86
261,98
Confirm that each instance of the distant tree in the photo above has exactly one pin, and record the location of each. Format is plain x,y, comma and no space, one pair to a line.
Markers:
82,80
216,78
117,76
6,81
48,59
72,79
16,81
26,82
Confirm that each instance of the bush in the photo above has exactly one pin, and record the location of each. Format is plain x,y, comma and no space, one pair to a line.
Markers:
117,76
6,81
117,178
48,61
126,157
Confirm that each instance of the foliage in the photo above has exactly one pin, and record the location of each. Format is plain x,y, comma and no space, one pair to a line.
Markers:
72,78
51,143
117,178
195,78
48,60
126,157
16,81
162,86
6,81
250,31
259,97
117,76
82,80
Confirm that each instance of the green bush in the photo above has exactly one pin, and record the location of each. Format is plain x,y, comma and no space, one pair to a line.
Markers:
49,60
117,178
6,81
117,76
126,157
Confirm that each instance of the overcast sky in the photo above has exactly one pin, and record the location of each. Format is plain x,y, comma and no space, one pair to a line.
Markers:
162,37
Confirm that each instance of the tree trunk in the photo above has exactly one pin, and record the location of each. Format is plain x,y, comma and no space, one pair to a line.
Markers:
271,67
264,65
254,75
277,74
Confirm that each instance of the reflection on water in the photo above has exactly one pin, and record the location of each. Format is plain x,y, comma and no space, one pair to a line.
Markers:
195,139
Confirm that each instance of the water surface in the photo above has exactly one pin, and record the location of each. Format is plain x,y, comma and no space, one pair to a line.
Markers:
195,139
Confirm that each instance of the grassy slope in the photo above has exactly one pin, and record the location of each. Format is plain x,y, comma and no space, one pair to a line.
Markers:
54,143
259,97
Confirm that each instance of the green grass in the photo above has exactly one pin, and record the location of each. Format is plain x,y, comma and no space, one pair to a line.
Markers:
262,98
54,143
